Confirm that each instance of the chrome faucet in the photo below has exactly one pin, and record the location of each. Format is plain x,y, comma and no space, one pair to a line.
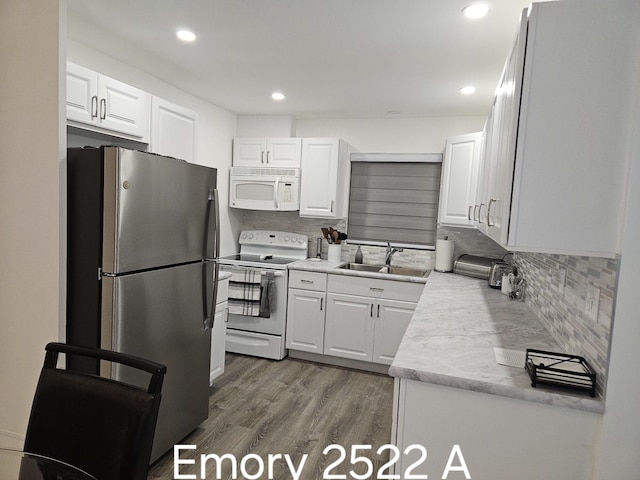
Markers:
390,253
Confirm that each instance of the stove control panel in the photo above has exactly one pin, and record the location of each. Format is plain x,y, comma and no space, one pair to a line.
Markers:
273,238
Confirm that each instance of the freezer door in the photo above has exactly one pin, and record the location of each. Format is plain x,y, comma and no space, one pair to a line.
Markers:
159,315
157,211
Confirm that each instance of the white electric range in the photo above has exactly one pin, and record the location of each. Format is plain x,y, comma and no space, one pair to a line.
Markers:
258,291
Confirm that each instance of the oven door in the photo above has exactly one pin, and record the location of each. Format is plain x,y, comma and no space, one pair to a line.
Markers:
276,322
264,192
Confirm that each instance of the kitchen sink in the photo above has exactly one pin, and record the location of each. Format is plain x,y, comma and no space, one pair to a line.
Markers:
362,267
411,272
407,271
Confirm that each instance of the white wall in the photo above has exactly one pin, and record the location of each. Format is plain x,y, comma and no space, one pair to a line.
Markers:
391,135
621,423
266,126
216,126
33,149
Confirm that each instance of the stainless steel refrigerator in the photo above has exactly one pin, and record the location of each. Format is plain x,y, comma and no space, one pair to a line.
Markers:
143,239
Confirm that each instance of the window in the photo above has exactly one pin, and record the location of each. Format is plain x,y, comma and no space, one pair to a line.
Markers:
394,198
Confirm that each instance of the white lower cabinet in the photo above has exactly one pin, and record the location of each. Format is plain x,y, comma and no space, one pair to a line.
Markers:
468,434
219,332
363,328
349,327
391,320
356,318
305,325
306,308
366,317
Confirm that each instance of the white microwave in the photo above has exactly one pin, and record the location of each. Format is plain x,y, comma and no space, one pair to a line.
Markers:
255,188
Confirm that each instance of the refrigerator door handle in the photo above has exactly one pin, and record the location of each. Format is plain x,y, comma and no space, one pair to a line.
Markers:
210,313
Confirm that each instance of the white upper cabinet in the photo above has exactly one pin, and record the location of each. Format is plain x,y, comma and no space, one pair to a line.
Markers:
82,94
325,174
459,180
557,143
173,130
105,104
484,171
267,152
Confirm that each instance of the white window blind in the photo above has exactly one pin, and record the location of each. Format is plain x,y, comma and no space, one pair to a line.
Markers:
394,202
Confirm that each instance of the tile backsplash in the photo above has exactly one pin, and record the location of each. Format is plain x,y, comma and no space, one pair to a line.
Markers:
466,240
561,312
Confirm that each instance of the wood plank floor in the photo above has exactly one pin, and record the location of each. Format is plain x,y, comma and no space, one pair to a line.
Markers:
262,407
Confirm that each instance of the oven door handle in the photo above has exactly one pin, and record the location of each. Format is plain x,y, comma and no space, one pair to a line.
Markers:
275,274
242,269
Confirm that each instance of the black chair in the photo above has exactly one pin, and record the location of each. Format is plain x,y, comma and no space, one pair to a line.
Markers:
97,424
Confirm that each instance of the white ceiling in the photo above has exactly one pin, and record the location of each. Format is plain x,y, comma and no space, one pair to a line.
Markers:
331,58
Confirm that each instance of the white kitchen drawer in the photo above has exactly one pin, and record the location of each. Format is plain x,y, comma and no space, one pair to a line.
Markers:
256,344
308,280
375,287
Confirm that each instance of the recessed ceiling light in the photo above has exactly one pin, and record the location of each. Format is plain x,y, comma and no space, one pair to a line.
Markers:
186,35
476,10
277,96
468,90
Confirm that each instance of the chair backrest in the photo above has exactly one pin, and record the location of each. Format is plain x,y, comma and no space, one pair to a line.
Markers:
97,424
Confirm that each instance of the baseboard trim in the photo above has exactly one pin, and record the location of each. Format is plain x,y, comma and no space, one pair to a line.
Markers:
340,362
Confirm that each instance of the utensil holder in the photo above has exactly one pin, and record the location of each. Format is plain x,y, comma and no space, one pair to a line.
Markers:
335,252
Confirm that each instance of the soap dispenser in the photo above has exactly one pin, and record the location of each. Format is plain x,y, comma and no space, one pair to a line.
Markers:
358,255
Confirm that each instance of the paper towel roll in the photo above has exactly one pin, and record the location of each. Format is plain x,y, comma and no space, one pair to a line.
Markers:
444,255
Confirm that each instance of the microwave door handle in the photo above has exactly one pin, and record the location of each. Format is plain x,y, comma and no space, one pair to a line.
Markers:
276,191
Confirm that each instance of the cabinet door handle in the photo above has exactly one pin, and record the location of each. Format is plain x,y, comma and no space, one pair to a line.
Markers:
475,211
103,108
94,107
469,213
321,303
376,289
267,156
489,224
378,310
371,314
480,213
331,206
306,281
261,157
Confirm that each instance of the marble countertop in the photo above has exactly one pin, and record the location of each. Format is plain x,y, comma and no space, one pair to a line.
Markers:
451,338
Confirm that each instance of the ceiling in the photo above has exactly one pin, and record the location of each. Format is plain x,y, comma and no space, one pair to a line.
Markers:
331,58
